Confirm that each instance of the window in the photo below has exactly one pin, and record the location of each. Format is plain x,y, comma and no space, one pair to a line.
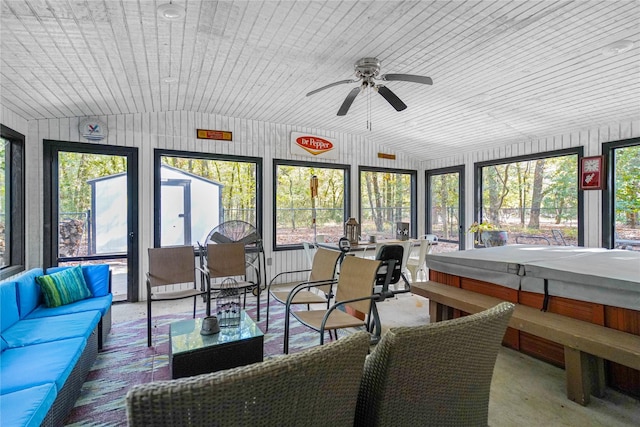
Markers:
195,192
535,198
621,203
12,204
387,196
295,209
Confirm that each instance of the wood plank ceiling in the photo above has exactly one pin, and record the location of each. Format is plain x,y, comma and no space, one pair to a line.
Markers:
503,71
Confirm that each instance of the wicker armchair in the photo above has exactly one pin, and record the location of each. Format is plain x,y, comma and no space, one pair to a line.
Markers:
316,387
437,374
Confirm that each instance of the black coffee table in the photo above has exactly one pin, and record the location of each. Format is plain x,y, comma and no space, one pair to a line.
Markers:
191,353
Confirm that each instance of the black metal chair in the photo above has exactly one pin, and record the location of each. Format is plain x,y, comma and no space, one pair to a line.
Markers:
173,268
390,271
558,237
236,231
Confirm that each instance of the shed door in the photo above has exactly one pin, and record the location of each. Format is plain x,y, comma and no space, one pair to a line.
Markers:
175,213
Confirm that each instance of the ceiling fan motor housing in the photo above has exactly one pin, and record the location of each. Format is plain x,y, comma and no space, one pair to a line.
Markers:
367,68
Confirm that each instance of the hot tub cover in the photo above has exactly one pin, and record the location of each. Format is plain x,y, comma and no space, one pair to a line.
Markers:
502,265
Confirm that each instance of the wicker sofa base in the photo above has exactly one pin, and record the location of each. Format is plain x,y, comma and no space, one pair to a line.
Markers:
67,396
104,328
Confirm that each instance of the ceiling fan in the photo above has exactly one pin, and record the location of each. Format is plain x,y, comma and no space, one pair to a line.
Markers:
367,72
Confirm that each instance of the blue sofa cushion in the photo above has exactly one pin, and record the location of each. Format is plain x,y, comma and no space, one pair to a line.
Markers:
63,287
96,277
27,407
29,293
101,304
9,311
38,364
53,328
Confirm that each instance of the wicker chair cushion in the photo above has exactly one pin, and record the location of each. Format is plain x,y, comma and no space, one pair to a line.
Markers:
60,356
29,291
27,407
101,304
53,328
9,313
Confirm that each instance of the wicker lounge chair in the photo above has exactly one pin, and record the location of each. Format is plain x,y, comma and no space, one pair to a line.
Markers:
437,374
316,387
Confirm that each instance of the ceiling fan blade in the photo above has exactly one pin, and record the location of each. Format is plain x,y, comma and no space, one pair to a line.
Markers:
391,98
341,82
407,78
348,101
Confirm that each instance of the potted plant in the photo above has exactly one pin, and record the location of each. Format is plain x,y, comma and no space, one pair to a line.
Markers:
488,234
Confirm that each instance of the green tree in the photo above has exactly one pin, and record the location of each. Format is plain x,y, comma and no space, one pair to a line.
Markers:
627,185
537,195
561,188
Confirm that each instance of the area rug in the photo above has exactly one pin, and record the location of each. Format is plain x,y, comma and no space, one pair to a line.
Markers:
126,360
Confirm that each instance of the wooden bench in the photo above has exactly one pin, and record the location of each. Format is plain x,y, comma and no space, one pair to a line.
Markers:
586,345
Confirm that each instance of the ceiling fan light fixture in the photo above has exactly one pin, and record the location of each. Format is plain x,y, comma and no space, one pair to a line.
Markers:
171,12
618,47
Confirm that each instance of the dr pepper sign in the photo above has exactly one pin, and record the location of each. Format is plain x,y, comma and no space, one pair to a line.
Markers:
307,145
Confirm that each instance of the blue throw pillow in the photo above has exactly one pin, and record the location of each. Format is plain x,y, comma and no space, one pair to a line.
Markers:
63,287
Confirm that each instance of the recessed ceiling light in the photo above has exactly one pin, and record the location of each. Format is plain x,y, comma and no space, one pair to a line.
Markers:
618,47
169,79
170,12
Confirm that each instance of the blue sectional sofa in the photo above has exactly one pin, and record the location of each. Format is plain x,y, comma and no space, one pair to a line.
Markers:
48,352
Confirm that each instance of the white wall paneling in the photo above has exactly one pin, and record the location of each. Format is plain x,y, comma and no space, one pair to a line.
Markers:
177,131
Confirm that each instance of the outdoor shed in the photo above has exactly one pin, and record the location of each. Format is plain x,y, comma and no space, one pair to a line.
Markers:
190,207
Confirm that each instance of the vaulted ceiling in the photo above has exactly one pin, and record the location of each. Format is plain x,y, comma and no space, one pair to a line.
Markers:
503,71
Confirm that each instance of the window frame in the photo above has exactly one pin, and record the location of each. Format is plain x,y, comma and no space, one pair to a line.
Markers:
16,205
307,164
158,153
413,224
477,183
608,194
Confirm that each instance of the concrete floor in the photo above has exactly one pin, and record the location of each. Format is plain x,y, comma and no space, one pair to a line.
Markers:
524,391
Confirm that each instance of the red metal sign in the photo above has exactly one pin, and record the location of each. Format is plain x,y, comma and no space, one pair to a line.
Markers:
214,134
314,144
